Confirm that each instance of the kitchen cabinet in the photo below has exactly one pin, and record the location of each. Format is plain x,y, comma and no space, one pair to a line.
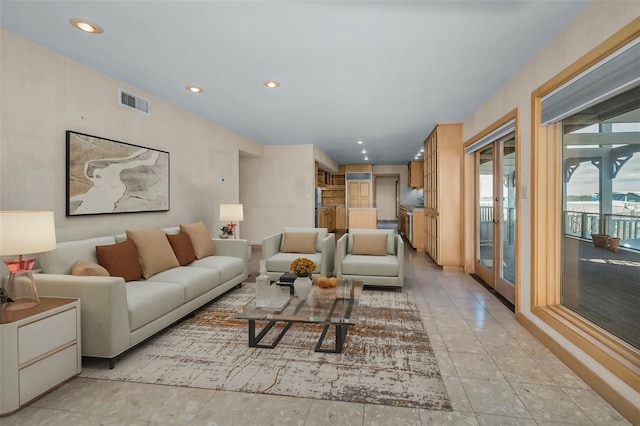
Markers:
359,193
415,174
363,218
443,218
327,218
341,218
333,194
349,168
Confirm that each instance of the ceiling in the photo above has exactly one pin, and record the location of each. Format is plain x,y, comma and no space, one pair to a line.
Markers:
383,71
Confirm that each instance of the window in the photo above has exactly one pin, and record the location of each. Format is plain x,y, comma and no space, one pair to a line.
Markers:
576,121
601,238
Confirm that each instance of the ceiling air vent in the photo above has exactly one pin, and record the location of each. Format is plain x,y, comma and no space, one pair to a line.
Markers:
132,101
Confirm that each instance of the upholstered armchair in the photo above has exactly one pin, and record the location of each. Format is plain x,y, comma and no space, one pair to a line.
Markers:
282,248
374,256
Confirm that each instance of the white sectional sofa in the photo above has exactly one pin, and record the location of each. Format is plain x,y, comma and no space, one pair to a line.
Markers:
117,315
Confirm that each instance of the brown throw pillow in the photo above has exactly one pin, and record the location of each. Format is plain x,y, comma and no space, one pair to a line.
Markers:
154,251
182,247
121,260
370,244
200,238
88,269
299,242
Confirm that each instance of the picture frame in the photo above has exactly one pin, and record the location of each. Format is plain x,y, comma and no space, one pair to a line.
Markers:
105,176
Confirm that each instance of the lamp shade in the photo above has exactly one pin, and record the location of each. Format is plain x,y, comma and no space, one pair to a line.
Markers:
231,212
26,231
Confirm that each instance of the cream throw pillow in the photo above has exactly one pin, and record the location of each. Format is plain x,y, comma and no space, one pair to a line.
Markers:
200,238
88,269
154,251
370,244
299,242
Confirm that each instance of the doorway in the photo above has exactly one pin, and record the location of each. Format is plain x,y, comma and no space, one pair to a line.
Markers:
496,215
387,197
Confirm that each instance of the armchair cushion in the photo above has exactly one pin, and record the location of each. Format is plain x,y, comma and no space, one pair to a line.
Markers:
281,261
388,232
370,244
322,234
299,242
385,266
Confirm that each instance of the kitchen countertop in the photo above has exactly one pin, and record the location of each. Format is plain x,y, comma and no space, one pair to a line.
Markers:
412,207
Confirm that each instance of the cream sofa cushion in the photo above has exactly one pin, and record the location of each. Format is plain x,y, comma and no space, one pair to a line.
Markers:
88,269
322,234
200,238
154,251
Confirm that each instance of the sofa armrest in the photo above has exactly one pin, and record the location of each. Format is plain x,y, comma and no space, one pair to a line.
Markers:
328,254
233,248
103,305
271,245
400,254
341,252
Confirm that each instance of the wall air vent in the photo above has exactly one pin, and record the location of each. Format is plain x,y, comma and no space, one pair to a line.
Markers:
358,176
130,100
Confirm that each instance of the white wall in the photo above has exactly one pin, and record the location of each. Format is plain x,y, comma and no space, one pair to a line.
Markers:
277,190
45,94
599,20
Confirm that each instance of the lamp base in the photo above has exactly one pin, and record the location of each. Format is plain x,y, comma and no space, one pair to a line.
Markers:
232,228
21,287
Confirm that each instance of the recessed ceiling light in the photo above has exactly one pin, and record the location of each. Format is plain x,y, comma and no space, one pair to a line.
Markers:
271,84
415,158
366,158
364,151
360,142
421,149
194,89
86,26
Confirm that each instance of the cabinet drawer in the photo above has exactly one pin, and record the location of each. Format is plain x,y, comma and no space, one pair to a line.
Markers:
47,373
40,337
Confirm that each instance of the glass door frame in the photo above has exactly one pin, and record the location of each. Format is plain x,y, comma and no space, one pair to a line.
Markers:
494,275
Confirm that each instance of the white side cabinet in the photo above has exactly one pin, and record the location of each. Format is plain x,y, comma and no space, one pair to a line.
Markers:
39,350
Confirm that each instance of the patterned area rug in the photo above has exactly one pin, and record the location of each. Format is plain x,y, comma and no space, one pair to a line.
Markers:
387,358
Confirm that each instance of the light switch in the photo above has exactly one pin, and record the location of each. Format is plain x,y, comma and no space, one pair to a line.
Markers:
525,191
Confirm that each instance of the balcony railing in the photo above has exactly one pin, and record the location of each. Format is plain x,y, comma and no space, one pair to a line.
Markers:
582,225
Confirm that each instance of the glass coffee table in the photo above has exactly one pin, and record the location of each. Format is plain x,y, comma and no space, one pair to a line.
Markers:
330,307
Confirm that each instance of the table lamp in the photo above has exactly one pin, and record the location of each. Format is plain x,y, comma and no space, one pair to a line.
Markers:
23,232
231,213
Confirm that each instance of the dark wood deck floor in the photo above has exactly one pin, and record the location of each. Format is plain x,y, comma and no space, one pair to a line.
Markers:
603,287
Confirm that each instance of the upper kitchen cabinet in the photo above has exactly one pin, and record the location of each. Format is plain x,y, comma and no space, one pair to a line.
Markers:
323,177
350,168
443,224
416,174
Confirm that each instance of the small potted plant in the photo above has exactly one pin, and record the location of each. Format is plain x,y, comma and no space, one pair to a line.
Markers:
303,268
226,232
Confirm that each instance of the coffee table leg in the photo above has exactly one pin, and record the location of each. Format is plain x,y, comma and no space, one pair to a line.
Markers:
254,341
341,335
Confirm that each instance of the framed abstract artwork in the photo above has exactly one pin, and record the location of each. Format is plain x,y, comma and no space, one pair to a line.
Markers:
107,176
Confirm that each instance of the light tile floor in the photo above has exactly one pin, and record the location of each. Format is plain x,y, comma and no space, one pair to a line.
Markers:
495,372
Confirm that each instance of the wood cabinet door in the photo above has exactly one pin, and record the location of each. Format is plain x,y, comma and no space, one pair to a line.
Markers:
341,219
359,194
